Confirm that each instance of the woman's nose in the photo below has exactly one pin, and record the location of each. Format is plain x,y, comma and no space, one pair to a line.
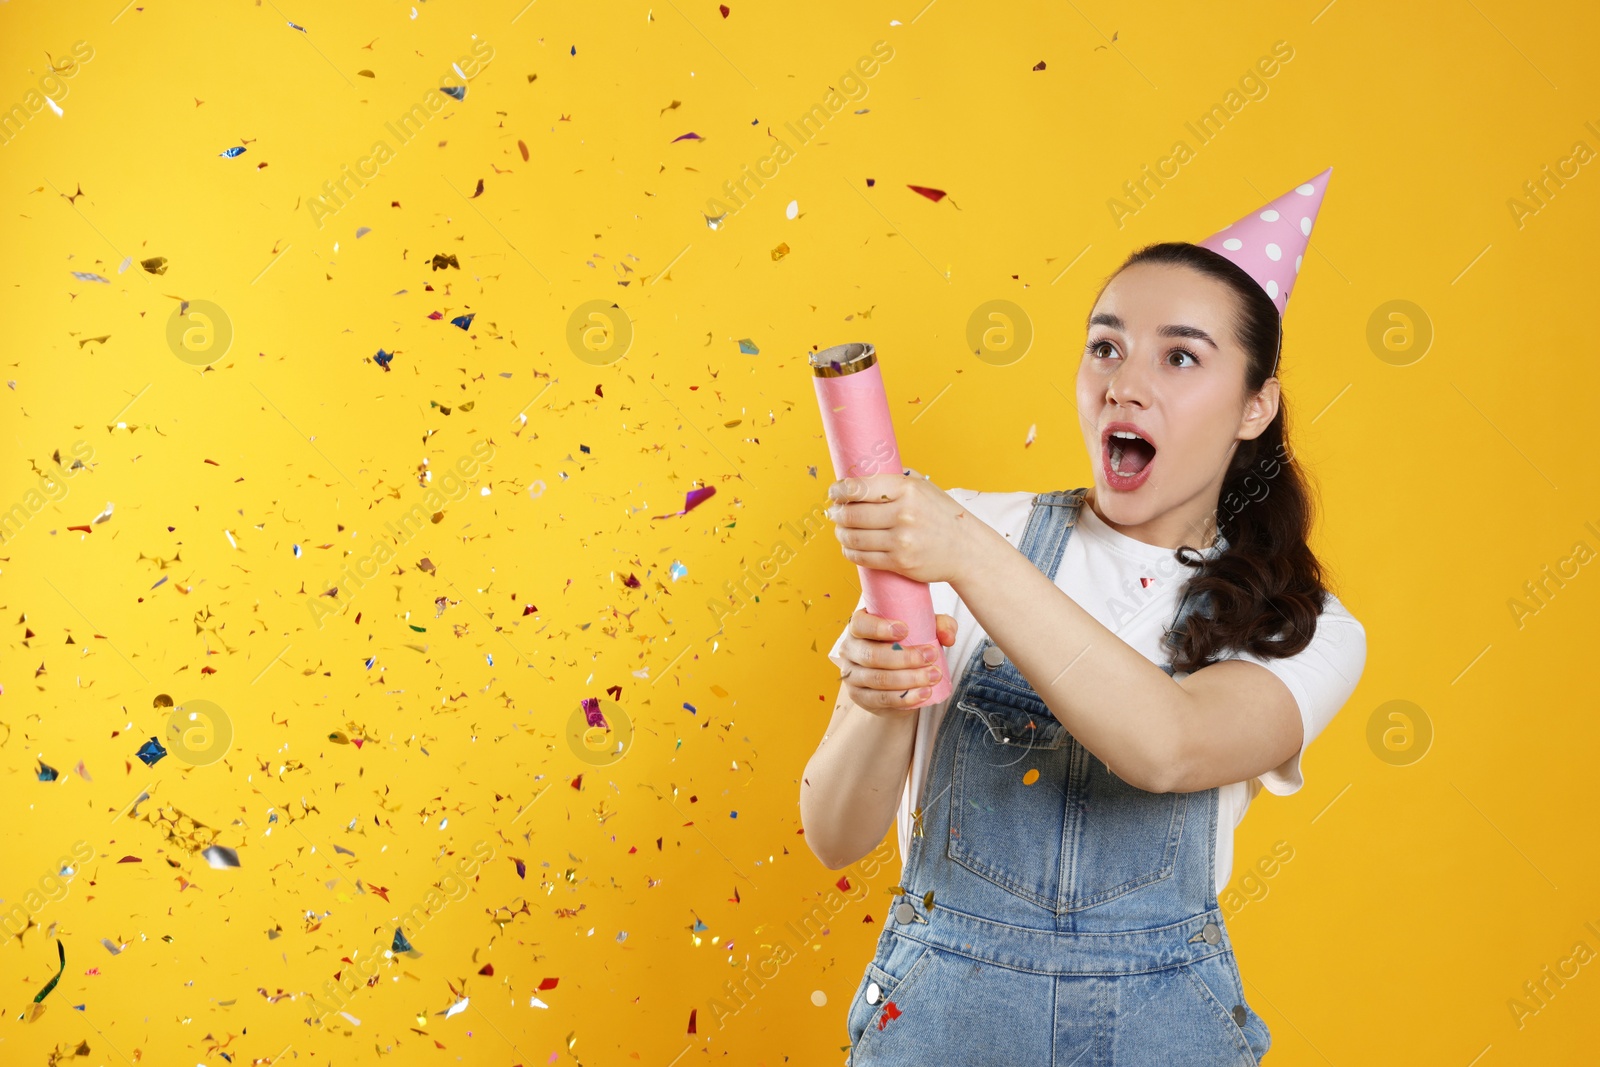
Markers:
1126,387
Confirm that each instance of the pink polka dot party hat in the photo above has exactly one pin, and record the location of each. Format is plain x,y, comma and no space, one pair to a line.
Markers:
1270,243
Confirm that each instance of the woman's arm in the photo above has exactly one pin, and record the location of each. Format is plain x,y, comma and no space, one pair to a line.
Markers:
852,784
1224,723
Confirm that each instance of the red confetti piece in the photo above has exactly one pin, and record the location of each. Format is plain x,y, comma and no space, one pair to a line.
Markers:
548,983
488,969
85,529
692,1012
693,500
935,195
724,9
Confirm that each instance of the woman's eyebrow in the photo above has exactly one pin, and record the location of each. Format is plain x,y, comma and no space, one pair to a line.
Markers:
1106,318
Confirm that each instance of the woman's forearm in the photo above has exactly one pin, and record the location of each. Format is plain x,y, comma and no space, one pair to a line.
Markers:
852,784
1119,705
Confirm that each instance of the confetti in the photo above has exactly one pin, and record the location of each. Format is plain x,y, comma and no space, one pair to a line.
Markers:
457,91
221,858
935,195
38,1009
693,500
47,773
151,752
748,347
89,276
231,153
687,137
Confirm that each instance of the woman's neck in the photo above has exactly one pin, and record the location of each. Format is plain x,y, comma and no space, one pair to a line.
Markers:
1164,528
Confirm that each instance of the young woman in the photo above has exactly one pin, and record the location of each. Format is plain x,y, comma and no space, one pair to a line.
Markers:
1132,663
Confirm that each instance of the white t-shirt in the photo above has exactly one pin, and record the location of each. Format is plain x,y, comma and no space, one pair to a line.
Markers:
1131,588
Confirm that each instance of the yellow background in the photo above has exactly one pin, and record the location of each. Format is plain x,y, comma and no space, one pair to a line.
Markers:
1420,897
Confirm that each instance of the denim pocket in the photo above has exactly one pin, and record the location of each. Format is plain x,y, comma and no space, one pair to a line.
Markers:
880,996
1215,982
1072,837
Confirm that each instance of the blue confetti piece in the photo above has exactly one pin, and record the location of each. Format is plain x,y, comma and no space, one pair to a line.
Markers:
522,868
457,91
400,942
584,449
370,661
692,709
232,152
699,926
296,551
574,50
464,321
733,815
151,752
47,773
159,583
292,26
677,570
490,657
383,359
748,347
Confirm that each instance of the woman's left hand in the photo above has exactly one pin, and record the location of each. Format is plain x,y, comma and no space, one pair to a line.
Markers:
903,523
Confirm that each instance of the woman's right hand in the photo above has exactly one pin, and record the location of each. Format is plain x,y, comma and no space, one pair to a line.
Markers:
880,677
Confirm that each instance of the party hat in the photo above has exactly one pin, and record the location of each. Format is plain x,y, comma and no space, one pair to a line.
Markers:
1269,244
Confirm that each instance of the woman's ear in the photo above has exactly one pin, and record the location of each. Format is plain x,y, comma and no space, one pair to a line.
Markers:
1260,410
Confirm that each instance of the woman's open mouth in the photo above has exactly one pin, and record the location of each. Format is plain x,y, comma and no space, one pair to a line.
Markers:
1126,455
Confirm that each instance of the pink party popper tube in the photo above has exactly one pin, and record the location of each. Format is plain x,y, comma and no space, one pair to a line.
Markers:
855,417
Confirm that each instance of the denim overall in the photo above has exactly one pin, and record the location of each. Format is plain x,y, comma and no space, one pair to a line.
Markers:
1074,920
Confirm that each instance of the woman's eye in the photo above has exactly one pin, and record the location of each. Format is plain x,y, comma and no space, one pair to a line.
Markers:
1096,346
1183,352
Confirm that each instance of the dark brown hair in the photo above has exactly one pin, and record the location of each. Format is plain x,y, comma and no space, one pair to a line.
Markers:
1264,594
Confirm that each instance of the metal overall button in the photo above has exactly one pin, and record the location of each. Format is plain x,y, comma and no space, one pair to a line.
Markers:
993,657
